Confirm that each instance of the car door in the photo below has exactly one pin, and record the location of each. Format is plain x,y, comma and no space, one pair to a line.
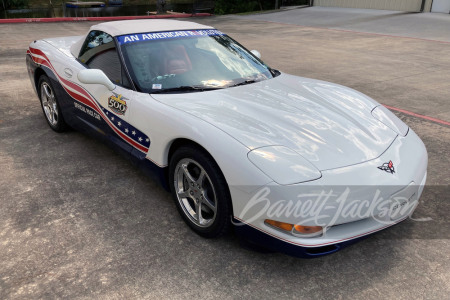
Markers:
111,108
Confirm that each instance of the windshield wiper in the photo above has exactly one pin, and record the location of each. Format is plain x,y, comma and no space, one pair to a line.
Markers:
186,88
248,81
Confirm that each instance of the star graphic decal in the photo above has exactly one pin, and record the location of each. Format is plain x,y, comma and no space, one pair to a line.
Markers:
128,131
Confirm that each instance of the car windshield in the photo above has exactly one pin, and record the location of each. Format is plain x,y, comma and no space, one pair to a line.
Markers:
186,61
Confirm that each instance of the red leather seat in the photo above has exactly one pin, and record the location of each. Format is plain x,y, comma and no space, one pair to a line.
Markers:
177,60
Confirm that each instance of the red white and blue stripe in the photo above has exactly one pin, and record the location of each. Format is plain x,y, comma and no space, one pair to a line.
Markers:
123,129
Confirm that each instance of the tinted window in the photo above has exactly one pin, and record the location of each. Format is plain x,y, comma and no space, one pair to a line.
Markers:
99,52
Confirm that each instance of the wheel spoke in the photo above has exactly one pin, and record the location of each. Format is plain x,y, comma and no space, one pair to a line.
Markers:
188,175
47,92
184,194
50,112
50,116
208,203
55,111
201,177
198,211
44,96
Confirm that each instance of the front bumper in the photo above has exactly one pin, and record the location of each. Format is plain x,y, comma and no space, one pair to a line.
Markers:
350,202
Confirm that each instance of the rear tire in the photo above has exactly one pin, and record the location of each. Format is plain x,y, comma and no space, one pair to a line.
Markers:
50,105
200,191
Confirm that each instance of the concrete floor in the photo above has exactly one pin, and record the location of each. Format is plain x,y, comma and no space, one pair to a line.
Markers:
78,221
432,26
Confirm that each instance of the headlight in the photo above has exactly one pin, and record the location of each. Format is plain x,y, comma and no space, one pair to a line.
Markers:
388,118
283,165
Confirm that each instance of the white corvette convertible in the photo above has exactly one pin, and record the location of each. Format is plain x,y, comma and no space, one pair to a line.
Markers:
292,164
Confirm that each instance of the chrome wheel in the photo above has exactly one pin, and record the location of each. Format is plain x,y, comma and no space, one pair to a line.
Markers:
49,104
195,192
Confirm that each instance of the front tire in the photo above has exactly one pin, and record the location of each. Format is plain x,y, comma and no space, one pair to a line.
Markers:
200,192
50,105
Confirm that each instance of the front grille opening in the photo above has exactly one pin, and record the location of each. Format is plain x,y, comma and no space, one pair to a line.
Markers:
323,250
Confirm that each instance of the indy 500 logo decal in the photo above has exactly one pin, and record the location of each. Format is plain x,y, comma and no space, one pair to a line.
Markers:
117,104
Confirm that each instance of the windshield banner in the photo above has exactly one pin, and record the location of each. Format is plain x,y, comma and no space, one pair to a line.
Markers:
140,37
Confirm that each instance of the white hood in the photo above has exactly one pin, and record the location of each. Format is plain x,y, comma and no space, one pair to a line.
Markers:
328,124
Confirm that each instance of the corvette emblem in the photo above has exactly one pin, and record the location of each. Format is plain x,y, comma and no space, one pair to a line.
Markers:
388,167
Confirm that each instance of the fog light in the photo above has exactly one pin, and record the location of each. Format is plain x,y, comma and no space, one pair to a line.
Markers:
307,230
281,225
296,230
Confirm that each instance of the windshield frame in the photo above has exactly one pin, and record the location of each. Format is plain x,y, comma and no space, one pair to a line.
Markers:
268,74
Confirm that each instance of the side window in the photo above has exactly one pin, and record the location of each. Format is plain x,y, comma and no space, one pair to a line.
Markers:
99,52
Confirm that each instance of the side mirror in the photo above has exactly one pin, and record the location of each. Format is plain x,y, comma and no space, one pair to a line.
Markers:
256,53
95,76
